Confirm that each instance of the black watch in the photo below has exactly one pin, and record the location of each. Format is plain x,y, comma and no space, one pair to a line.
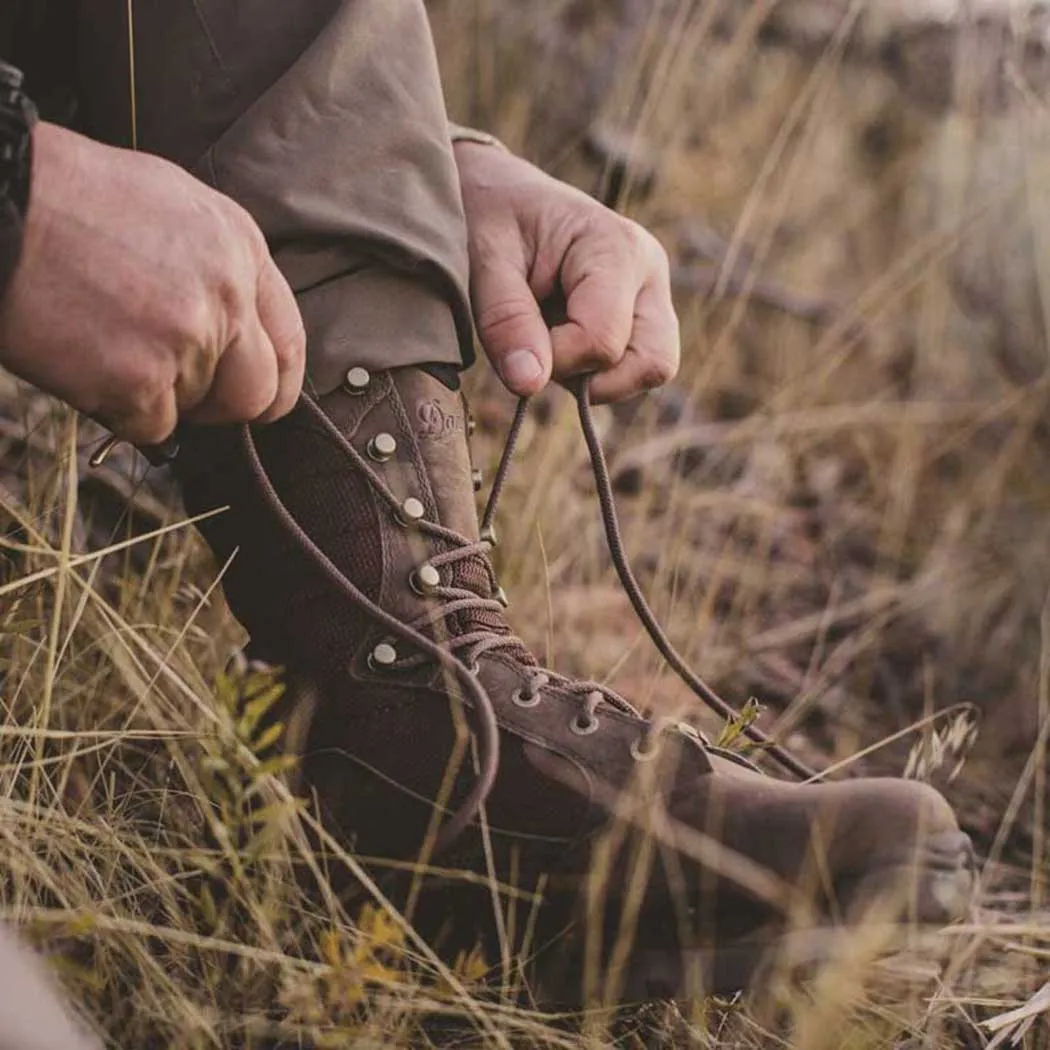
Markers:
17,117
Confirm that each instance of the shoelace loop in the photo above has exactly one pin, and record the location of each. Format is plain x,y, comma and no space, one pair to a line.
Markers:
614,538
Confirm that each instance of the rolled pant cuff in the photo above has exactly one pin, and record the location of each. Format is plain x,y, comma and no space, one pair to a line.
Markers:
375,317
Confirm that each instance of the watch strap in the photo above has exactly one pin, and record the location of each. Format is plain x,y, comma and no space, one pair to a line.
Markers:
17,117
11,226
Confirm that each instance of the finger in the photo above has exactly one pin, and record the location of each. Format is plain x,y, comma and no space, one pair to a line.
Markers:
149,422
653,351
510,325
283,323
246,381
601,284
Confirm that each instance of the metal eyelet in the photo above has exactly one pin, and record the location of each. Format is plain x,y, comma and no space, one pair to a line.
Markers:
488,535
478,479
425,580
584,728
356,381
501,597
526,700
411,511
640,754
382,657
381,447
474,668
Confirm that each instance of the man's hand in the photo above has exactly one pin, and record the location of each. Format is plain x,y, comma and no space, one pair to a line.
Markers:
532,238
33,1011
144,296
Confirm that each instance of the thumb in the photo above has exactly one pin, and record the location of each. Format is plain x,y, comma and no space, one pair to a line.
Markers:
511,327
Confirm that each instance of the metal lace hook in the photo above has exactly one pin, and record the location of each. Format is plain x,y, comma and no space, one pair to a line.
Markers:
158,455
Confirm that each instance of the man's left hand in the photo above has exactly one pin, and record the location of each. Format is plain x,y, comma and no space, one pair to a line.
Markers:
533,239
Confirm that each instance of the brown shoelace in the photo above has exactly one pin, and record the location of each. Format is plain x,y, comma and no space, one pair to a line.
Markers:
474,643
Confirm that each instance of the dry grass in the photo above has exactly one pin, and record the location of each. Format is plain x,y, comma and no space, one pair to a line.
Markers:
842,512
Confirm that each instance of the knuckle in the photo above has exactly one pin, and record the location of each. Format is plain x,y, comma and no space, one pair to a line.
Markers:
659,371
606,347
643,245
140,382
661,261
291,351
156,427
249,394
241,224
151,401
232,298
147,411
184,312
503,313
239,256
257,398
635,236
190,317
613,236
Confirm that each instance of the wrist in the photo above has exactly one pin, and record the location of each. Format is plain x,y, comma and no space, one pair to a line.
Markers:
55,164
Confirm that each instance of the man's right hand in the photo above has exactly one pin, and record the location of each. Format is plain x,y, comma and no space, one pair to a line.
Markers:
143,296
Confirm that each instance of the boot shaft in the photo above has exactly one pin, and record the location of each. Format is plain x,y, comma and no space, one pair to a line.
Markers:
408,501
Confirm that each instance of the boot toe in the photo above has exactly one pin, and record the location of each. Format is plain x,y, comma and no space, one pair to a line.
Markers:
951,879
918,855
845,843
934,885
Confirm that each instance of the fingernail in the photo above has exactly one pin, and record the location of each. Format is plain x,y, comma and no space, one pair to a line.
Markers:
521,368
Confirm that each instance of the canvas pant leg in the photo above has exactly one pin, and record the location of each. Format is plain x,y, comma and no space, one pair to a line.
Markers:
325,119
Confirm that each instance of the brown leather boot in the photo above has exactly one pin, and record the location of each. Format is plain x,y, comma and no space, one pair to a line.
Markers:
360,568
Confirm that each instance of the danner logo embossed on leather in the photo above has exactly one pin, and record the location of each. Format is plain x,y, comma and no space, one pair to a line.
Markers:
435,422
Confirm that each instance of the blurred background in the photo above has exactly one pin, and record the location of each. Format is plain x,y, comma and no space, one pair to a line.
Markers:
841,503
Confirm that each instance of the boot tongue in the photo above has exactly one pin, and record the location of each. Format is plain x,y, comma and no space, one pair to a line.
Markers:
437,417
